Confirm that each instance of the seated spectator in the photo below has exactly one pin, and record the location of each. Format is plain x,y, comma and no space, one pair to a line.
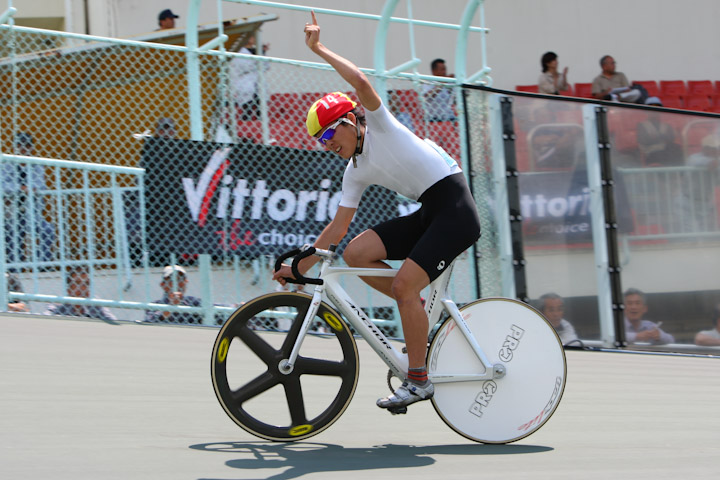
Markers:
14,285
439,99
637,328
174,283
656,140
551,81
613,85
710,338
695,203
553,307
77,280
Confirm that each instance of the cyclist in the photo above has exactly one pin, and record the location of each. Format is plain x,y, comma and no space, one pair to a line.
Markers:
384,152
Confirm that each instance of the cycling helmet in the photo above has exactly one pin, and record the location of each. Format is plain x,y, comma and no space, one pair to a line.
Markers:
326,110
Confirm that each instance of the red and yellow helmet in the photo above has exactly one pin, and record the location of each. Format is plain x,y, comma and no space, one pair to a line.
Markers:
326,110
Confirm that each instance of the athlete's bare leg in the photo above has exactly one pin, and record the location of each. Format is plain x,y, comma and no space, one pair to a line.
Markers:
364,251
406,288
367,251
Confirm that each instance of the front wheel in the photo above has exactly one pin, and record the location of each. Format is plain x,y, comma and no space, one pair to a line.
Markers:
510,406
258,393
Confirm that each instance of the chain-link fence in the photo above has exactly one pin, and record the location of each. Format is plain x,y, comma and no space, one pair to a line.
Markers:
221,209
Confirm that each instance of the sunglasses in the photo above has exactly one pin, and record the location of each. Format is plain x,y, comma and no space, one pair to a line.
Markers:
329,132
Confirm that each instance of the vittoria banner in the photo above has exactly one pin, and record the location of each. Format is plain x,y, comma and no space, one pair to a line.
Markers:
555,207
246,198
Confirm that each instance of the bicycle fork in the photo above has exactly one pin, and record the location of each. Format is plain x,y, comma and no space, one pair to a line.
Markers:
287,364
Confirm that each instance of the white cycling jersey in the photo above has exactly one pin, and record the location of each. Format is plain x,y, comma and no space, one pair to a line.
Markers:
395,158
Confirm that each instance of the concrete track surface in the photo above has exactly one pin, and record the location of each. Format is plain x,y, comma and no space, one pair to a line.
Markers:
85,399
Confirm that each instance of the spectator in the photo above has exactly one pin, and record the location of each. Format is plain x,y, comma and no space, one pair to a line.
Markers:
165,128
696,199
14,285
656,140
553,307
174,283
166,19
637,328
244,80
614,85
439,99
551,81
20,181
710,338
77,281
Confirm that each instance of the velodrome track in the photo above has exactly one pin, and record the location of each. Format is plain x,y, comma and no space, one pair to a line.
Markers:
85,399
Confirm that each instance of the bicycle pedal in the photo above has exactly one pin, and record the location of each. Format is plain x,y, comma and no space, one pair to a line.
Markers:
397,410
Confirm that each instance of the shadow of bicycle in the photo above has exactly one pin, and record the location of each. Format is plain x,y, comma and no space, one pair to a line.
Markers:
299,459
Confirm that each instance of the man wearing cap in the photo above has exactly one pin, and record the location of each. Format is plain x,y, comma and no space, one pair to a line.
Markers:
174,283
166,19
382,151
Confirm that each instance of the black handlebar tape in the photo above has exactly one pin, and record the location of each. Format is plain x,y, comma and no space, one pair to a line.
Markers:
285,256
294,267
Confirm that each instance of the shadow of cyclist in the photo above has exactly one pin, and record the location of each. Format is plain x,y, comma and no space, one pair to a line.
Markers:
308,458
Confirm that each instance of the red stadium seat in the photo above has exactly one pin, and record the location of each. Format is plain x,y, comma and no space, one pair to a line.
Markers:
672,101
651,86
583,90
527,88
698,102
673,87
701,87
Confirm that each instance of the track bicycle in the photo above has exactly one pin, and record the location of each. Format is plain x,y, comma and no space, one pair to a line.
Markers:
498,366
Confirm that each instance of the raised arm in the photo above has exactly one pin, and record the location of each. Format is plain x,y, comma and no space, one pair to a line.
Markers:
347,70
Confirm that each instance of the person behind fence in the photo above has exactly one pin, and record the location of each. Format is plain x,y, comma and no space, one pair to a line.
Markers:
553,307
551,81
77,280
14,285
439,99
614,85
695,203
166,19
174,283
244,74
381,151
22,184
637,327
656,141
711,337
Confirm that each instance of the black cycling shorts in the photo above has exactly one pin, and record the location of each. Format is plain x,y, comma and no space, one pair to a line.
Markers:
446,225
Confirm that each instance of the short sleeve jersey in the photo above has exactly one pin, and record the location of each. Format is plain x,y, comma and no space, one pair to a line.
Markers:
395,158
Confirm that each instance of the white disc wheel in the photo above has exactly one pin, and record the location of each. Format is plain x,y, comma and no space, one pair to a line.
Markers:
528,386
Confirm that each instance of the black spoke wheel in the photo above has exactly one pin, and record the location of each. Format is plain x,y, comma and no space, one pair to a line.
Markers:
253,388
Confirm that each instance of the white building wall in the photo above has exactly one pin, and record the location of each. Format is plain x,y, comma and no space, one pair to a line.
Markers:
650,39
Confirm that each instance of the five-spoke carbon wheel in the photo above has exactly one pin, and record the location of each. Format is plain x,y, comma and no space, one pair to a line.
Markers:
253,385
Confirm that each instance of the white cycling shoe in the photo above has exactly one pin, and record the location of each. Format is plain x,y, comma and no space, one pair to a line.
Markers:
406,394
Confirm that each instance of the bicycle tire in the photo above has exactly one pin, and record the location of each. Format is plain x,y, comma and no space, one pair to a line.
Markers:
256,405
509,408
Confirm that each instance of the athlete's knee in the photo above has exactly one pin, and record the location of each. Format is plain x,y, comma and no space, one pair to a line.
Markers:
404,290
354,256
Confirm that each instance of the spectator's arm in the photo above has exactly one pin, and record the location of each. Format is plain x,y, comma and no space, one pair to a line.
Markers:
706,340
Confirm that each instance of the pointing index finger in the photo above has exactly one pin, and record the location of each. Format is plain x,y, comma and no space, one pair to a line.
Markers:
312,12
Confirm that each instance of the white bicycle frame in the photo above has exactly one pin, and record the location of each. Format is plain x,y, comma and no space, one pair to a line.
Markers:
437,301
